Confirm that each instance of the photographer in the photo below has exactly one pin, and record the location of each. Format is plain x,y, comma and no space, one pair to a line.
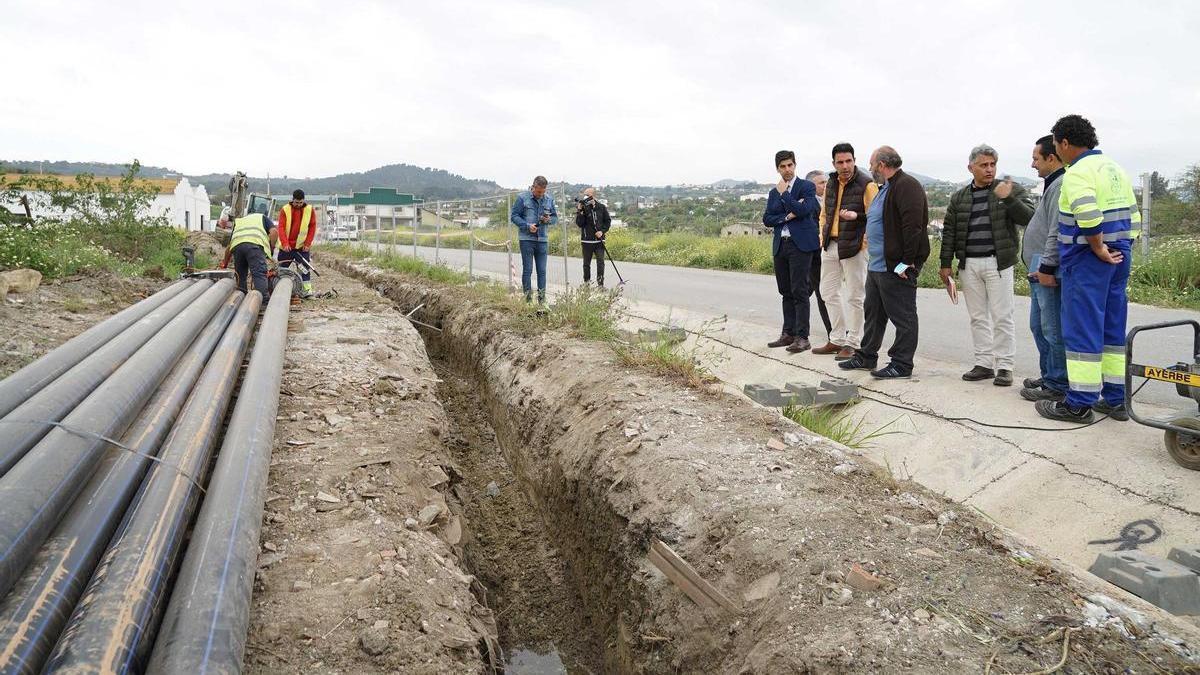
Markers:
593,220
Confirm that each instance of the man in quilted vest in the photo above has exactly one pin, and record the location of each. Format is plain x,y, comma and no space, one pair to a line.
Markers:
980,229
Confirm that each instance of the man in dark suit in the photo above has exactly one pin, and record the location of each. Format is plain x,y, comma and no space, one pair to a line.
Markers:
792,208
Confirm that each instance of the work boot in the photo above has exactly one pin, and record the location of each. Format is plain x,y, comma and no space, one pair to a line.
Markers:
784,340
844,353
979,373
1116,412
891,372
1042,394
857,362
1004,378
1032,383
799,345
827,348
1060,411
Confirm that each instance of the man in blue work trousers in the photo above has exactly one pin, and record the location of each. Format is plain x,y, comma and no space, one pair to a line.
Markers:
1098,220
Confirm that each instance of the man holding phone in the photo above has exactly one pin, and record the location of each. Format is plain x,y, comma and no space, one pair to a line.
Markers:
897,246
533,213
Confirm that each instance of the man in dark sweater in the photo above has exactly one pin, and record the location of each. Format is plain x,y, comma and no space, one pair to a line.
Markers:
897,245
980,229
593,220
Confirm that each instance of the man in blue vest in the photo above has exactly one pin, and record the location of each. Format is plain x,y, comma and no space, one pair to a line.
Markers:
1098,220
533,213
791,212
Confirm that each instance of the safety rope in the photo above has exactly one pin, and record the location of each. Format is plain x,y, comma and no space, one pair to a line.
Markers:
84,433
506,242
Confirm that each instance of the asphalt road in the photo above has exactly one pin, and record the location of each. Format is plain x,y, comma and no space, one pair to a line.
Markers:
945,327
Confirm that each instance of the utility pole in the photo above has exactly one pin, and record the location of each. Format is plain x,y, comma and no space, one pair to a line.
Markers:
1147,187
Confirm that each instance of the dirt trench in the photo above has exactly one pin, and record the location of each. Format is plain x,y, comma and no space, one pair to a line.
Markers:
833,565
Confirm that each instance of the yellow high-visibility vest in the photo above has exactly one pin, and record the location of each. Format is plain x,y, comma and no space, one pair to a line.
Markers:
250,229
305,220
1096,198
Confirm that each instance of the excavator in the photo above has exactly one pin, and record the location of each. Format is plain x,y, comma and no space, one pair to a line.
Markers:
241,202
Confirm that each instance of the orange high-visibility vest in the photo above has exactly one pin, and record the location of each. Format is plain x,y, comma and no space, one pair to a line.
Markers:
305,219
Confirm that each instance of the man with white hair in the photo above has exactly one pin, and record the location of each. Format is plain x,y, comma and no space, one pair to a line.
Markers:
980,229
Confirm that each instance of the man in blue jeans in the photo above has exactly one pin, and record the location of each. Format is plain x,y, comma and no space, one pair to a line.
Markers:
1039,249
534,214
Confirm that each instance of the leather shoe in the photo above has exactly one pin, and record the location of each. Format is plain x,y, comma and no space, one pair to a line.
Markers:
1032,382
978,373
844,353
800,345
1004,378
784,340
828,348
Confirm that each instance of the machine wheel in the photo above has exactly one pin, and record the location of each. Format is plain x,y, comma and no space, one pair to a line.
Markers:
1184,447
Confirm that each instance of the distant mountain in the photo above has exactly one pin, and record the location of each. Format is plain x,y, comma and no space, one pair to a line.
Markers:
72,168
727,183
425,182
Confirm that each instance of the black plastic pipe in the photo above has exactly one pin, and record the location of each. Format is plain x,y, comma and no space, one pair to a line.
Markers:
204,628
33,614
36,493
22,428
113,626
27,381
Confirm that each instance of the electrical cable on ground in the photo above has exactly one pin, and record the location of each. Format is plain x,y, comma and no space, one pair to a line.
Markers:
890,404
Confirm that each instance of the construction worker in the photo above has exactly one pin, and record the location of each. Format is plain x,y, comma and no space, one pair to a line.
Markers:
250,245
297,226
1097,222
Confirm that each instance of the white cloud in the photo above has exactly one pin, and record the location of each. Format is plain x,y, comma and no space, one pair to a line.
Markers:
618,92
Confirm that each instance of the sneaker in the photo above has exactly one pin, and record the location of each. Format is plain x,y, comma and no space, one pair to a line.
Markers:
857,362
978,373
1003,378
784,340
800,345
1042,394
844,353
891,372
1060,411
827,348
1116,412
1032,383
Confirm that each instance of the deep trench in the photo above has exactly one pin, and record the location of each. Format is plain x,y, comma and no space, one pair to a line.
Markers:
529,585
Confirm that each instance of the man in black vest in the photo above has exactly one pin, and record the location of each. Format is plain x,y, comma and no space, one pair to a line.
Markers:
843,252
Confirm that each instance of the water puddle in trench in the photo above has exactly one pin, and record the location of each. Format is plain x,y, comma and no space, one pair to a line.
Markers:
538,610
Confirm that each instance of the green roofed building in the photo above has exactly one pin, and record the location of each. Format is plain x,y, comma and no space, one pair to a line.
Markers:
384,208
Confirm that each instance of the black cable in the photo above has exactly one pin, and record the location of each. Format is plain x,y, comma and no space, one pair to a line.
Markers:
890,404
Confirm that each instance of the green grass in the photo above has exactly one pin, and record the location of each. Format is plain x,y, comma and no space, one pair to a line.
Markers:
836,423
1169,277
67,249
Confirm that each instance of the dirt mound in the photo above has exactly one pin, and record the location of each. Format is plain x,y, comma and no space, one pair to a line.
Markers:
211,244
833,564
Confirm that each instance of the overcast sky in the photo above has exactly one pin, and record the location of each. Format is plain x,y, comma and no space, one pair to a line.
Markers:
621,92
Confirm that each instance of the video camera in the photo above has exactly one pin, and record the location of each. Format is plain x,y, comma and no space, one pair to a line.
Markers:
585,201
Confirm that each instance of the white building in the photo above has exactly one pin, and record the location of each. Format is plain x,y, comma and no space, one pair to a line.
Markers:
753,198
742,230
183,205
